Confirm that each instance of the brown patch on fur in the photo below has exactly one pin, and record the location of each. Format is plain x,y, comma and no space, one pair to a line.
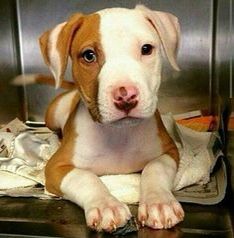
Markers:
49,80
61,162
66,37
63,43
79,33
168,145
86,74
43,41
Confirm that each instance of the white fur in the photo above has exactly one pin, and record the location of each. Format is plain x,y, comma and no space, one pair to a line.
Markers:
102,210
110,149
159,174
55,60
71,187
63,109
123,33
158,207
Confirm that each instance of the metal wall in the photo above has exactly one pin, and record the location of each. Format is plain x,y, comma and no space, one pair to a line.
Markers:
187,90
224,49
10,98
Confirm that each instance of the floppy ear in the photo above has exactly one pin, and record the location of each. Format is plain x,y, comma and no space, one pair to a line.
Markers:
168,29
55,46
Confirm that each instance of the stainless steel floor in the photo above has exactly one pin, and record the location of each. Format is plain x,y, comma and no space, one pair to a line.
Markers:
28,217
20,217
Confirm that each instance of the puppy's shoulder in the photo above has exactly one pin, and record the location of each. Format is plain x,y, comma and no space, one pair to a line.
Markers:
60,109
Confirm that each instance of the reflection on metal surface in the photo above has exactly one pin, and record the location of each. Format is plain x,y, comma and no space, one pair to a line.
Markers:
49,218
231,38
224,46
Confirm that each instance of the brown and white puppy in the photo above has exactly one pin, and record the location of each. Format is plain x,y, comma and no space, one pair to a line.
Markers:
110,121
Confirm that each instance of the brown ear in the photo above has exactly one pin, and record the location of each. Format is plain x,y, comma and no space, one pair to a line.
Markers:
168,29
55,45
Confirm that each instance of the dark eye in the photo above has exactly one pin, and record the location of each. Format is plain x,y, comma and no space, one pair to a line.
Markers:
146,49
89,56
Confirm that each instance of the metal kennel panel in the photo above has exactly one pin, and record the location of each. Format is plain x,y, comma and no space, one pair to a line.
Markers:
11,100
224,49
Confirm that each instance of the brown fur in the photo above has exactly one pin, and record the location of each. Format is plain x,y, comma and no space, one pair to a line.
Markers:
168,145
43,41
66,37
86,74
60,164
46,79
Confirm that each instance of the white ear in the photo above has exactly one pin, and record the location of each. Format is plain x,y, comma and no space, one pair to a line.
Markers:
168,29
55,45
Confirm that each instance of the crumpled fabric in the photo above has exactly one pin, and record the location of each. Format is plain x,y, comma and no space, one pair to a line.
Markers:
25,154
197,159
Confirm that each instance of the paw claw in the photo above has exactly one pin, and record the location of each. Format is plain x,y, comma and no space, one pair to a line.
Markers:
155,224
113,226
95,225
169,223
181,217
159,215
107,215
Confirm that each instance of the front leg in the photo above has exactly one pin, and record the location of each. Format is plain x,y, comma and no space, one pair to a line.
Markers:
158,207
102,210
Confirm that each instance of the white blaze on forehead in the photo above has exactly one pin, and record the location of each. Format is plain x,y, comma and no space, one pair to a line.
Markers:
123,32
55,58
122,29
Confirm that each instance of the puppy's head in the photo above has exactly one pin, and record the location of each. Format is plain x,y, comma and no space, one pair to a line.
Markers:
116,59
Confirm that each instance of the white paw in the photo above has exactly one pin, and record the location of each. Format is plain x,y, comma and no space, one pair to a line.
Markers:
107,214
160,213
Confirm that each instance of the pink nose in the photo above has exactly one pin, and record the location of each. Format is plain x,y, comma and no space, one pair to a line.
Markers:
125,98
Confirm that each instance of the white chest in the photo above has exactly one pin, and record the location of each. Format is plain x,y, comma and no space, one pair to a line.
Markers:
108,149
